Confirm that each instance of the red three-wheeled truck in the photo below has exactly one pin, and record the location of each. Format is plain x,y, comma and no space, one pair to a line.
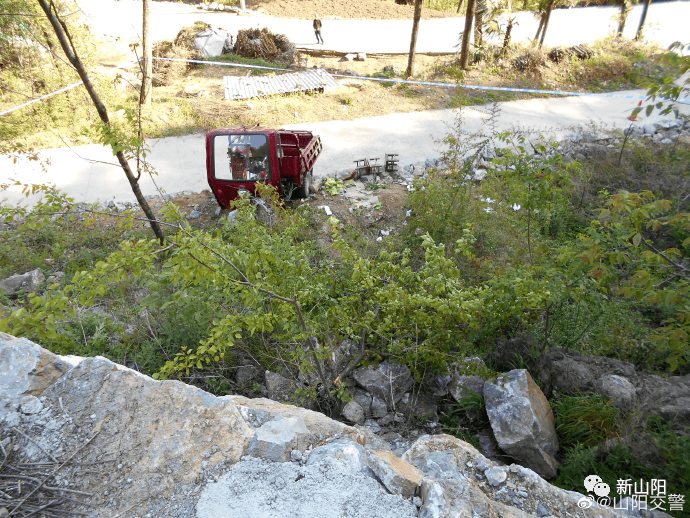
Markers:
238,158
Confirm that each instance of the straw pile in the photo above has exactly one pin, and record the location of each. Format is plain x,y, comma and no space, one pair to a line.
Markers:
262,43
166,72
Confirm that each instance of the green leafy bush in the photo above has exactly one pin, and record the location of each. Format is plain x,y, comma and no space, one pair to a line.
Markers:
580,461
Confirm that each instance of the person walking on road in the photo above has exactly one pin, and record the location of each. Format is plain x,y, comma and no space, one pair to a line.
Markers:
317,30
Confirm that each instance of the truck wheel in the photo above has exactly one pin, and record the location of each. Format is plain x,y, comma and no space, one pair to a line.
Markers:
303,190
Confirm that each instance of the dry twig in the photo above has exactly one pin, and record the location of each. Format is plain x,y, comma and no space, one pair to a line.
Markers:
24,488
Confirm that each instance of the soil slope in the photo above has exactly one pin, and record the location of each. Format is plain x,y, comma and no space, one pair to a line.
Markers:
360,9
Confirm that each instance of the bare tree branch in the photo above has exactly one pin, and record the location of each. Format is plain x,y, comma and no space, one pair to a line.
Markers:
65,39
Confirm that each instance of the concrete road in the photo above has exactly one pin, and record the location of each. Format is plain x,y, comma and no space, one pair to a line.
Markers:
89,173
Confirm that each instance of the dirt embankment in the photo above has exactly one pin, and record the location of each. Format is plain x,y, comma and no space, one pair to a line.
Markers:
348,9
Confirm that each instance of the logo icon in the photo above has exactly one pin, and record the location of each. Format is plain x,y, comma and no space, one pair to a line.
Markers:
585,502
594,484
592,481
602,489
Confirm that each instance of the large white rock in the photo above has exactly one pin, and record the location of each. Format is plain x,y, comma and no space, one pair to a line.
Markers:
522,421
145,448
461,483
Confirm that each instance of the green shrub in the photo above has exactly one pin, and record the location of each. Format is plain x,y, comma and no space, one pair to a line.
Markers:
584,420
466,418
580,461
658,453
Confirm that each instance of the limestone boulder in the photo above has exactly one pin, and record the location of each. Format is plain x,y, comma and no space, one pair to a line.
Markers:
246,375
149,445
285,390
150,438
340,356
329,488
465,377
460,482
617,389
29,281
522,421
353,412
382,465
363,399
388,382
348,452
378,408
667,398
26,369
420,406
396,475
460,385
144,448
437,384
280,429
570,372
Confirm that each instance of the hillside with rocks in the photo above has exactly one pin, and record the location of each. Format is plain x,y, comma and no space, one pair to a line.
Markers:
87,435
493,326
117,443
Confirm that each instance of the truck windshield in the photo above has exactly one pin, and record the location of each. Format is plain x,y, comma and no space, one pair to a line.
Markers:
241,157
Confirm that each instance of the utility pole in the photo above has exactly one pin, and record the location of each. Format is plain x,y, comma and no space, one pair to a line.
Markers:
413,39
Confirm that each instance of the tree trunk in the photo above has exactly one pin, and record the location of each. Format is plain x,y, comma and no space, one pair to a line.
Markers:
547,15
413,39
147,66
539,28
509,29
65,40
459,5
638,36
465,50
623,16
479,10
243,4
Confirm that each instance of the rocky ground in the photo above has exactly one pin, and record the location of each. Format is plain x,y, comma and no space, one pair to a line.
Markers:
109,441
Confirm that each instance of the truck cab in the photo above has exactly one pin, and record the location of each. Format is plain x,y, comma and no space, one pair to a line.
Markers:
238,158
